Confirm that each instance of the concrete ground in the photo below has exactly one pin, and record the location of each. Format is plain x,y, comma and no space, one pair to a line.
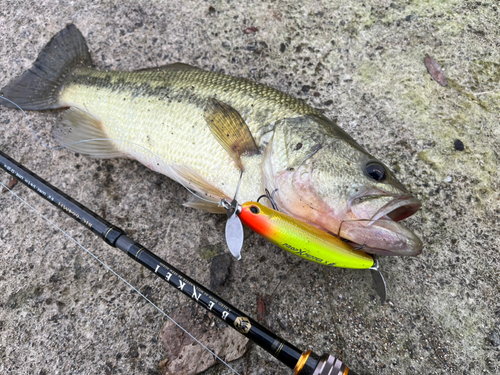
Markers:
362,61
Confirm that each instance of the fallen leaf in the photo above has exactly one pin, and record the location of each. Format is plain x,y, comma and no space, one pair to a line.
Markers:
185,356
434,70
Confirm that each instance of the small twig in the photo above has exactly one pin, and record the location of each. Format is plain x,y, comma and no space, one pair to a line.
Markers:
262,301
248,356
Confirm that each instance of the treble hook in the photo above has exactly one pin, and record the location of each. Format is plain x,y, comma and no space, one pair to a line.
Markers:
270,197
359,248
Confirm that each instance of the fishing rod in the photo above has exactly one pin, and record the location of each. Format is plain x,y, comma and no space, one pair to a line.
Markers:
302,362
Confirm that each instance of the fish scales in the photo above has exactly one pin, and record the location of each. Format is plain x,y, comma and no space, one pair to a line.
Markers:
163,111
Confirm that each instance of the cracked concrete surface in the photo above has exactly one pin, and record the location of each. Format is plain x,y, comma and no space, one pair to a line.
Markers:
362,62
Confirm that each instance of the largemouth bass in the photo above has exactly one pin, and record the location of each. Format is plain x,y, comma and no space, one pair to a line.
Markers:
166,118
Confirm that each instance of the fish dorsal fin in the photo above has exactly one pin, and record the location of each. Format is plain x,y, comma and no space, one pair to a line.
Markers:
229,128
78,126
175,66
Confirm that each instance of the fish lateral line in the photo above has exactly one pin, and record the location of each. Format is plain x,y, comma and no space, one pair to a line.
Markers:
190,103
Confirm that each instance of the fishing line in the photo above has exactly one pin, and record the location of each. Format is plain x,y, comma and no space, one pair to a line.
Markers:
92,254
172,171
118,275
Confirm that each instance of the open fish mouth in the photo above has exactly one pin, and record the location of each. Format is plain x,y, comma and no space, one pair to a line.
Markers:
374,207
374,223
398,209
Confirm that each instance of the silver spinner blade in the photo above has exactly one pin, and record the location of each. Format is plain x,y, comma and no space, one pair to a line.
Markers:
234,235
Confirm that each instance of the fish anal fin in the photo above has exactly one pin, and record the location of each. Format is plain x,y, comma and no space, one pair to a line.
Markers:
193,181
199,204
81,132
230,130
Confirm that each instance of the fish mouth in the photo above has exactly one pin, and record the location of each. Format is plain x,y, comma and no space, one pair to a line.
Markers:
374,223
371,208
398,209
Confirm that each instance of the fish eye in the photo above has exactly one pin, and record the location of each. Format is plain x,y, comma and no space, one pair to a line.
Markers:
255,209
375,171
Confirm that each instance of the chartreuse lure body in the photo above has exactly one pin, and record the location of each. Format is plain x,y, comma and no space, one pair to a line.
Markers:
302,239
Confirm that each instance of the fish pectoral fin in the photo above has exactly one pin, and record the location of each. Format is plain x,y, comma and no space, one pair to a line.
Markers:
81,132
175,66
190,179
229,128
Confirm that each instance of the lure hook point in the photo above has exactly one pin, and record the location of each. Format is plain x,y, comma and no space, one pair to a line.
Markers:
270,197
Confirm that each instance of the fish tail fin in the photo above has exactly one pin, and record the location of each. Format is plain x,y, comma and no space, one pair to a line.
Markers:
39,87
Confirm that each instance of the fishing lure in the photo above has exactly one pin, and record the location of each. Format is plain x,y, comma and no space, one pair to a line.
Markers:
302,239
299,238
